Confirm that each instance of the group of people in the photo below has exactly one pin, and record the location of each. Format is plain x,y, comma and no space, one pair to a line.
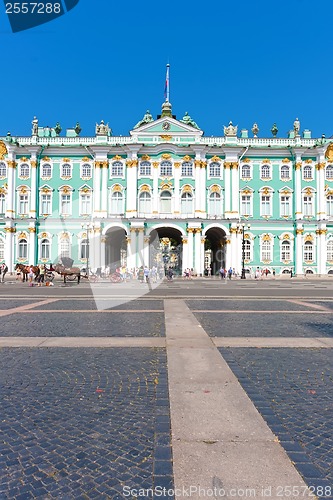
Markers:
230,273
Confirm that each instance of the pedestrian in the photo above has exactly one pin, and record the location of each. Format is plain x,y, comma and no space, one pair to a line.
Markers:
146,274
141,274
41,274
4,270
31,276
273,273
222,274
170,274
229,273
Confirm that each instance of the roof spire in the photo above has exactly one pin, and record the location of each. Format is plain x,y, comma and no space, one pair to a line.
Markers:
167,84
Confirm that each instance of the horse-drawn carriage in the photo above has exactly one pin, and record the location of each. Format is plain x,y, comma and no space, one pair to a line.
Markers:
66,269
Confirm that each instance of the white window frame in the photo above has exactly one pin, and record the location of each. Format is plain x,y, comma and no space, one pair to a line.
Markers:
329,250
117,169
84,249
329,205
285,253
2,249
68,203
214,204
214,169
187,204
85,202
329,169
246,167
64,247
66,171
117,203
23,203
45,249
2,203
266,252
248,250
265,171
86,170
166,168
308,251
283,170
266,204
307,172
3,169
47,202
24,171
22,250
308,205
47,166
187,169
285,202
246,203
144,202
145,168
164,200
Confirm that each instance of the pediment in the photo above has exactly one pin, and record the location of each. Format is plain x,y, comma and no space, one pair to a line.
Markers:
166,126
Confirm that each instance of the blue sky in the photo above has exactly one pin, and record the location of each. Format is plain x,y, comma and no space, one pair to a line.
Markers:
245,61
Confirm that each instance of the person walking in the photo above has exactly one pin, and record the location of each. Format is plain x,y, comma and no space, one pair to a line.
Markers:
230,273
41,275
4,270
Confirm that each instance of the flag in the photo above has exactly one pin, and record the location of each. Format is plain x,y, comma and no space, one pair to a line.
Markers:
167,87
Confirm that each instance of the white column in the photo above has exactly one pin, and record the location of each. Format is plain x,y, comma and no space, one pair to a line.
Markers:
299,251
197,178
227,206
10,210
131,195
97,188
103,241
9,246
132,249
235,189
298,189
202,254
229,250
97,262
321,249
185,264
177,189
321,205
140,247
34,194
146,240
236,242
202,194
197,252
104,194
155,206
190,248
32,244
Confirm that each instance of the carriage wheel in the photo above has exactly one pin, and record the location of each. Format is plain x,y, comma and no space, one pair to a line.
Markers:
71,277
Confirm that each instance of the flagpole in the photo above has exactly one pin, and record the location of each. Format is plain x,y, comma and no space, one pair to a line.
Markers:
167,83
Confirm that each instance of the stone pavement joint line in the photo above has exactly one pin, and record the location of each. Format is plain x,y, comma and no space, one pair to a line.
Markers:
314,306
25,308
218,436
81,342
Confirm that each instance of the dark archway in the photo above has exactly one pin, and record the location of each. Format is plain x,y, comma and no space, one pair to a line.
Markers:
215,249
115,248
166,249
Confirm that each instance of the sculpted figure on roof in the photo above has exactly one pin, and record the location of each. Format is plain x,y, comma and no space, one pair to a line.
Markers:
188,121
230,130
146,119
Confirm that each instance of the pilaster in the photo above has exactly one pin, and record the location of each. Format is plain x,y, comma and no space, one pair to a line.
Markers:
299,250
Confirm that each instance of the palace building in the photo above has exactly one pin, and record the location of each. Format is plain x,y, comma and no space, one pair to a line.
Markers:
168,195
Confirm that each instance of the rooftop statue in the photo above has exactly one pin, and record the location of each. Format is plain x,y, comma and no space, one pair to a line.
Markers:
297,127
188,121
231,130
146,119
102,129
34,126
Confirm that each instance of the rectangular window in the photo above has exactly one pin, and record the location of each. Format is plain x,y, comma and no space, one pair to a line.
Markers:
145,168
307,206
246,205
285,206
265,205
166,170
85,204
2,204
187,170
23,204
266,251
65,204
117,170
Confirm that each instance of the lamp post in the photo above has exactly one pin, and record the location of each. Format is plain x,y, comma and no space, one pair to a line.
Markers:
87,227
242,227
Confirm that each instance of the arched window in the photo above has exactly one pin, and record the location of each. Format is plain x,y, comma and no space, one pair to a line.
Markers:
145,203
2,204
186,203
145,168
45,204
308,251
246,172
23,249
117,205
24,170
285,250
266,251
45,249
2,249
214,204
330,250
329,172
85,201
86,170
187,169
165,202
265,172
84,253
166,168
64,247
247,250
307,172
66,170
46,170
307,205
285,172
3,169
214,169
23,204
117,169
329,205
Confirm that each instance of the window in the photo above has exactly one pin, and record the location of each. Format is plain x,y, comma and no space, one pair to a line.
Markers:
2,204
117,169
166,168
84,253
265,172
85,203
214,204
285,206
285,172
329,205
165,202
214,169
145,203
23,249
24,170
66,170
329,172
65,204
64,248
145,168
307,172
2,249
247,250
117,206
285,250
23,204
47,171
265,205
186,203
329,250
45,249
307,206
246,172
308,251
3,169
246,204
266,250
187,169
45,204
86,170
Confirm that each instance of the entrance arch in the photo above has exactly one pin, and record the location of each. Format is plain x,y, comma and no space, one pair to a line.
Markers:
166,248
215,248
115,247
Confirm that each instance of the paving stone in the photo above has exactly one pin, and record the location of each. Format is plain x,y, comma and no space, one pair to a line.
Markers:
245,305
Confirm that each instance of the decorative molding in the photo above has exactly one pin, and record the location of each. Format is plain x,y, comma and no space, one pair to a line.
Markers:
166,137
286,160
298,165
145,158
308,160
329,152
3,150
320,166
166,156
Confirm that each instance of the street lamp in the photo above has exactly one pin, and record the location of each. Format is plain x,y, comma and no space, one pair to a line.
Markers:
88,226
242,228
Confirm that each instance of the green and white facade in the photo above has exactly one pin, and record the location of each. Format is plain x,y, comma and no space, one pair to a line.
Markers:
61,195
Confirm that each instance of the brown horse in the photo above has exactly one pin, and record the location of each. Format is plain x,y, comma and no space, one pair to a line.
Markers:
71,273
25,270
